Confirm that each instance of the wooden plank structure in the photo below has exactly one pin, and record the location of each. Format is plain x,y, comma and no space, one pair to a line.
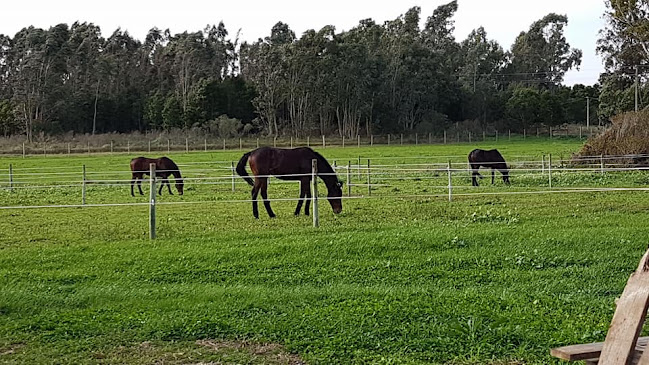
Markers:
622,345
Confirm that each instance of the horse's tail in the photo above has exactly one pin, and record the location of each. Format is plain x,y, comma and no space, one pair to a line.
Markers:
241,169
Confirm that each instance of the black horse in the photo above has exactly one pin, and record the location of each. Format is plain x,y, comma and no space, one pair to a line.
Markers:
163,167
288,164
490,159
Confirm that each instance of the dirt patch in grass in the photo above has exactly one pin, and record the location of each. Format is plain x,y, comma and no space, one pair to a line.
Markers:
267,353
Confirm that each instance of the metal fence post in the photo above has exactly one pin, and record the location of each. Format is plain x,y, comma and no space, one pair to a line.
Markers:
550,170
152,201
359,167
349,178
314,196
11,177
450,182
83,185
369,184
233,171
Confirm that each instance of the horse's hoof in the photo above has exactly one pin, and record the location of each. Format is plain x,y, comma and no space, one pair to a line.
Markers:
272,216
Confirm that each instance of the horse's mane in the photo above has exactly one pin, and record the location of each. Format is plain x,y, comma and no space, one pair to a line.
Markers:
327,167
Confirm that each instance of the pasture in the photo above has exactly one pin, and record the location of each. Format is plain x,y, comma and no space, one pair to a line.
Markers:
401,277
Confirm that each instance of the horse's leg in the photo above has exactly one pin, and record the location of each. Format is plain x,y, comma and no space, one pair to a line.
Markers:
303,183
132,182
264,195
139,184
255,191
308,197
474,173
162,185
493,173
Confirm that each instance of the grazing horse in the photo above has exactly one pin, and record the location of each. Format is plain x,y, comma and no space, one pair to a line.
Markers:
163,168
490,159
288,164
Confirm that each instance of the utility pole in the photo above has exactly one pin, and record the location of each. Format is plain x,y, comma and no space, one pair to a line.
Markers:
636,88
587,112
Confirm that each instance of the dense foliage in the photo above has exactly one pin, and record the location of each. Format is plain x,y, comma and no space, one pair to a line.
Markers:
373,78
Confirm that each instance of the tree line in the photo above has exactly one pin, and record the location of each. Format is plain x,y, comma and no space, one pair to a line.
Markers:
374,78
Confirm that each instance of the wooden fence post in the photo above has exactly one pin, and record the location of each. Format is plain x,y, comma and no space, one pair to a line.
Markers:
149,145
324,144
358,139
308,141
128,146
401,138
168,146
343,141
388,139
291,141
416,139
314,196
186,144
69,149
152,201
445,136
274,141
88,147
24,149
601,163
240,143
111,146
205,144
223,144
257,142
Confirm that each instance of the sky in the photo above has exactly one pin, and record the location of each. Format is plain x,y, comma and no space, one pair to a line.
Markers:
502,19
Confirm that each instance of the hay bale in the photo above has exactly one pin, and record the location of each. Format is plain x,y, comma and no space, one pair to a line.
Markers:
628,135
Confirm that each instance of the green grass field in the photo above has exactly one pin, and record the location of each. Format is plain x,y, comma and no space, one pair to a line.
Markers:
394,279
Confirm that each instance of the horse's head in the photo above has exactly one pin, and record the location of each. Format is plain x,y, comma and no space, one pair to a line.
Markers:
505,173
334,196
180,186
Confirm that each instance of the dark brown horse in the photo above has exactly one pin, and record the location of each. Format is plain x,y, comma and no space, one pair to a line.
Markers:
163,167
288,164
491,159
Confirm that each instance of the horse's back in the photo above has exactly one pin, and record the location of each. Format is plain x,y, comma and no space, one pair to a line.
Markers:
479,155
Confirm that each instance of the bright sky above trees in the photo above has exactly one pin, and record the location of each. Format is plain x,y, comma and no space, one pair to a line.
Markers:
502,19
